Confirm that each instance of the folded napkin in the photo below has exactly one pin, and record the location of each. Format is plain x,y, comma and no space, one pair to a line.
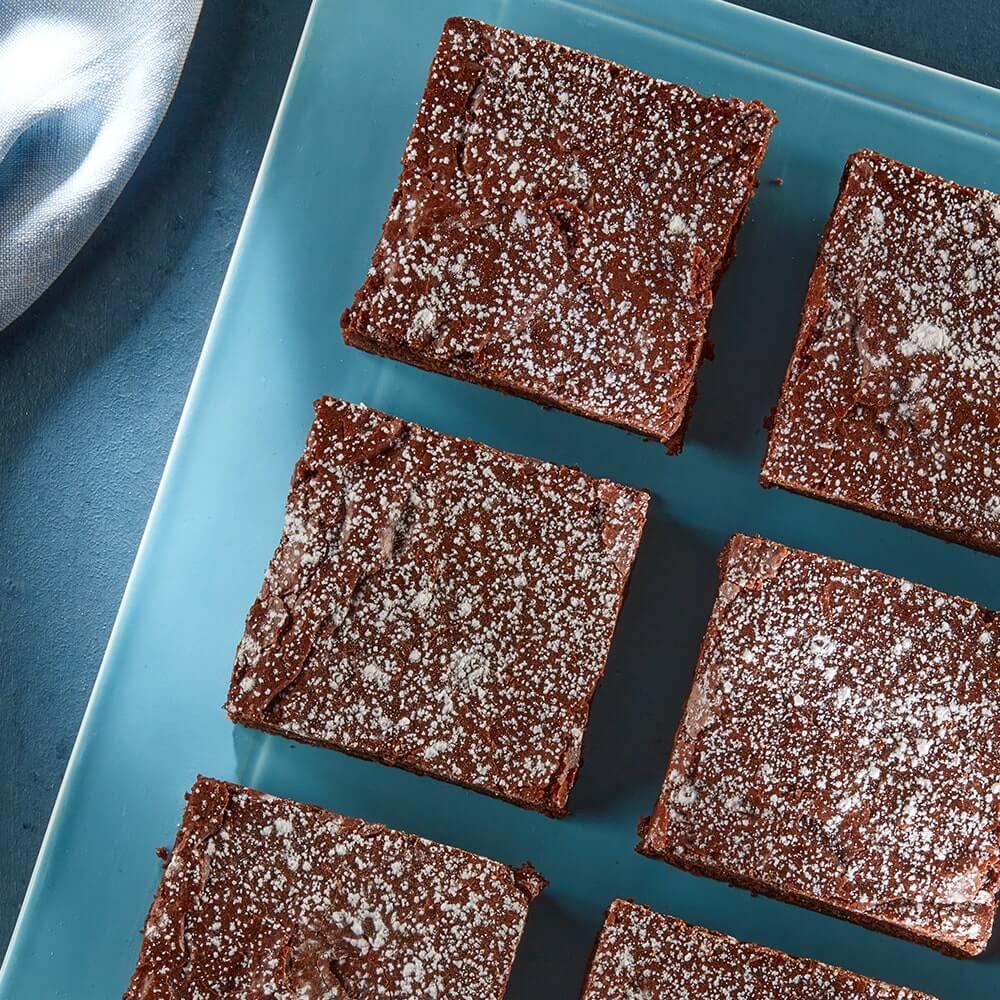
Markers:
83,87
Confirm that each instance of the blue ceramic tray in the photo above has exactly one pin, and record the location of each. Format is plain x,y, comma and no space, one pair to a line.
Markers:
154,720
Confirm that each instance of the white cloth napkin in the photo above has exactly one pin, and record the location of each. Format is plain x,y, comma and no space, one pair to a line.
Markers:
84,85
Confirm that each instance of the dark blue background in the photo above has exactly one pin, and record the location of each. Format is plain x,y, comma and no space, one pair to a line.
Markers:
93,377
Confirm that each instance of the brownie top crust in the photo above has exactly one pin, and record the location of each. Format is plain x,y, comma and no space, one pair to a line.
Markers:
439,605
265,897
890,403
558,228
641,953
841,747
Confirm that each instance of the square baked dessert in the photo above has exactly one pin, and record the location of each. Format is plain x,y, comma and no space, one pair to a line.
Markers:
265,897
559,228
889,404
642,954
840,748
438,605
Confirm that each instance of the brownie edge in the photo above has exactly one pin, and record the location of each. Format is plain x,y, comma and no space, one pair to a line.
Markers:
269,897
889,402
559,229
438,605
641,953
840,748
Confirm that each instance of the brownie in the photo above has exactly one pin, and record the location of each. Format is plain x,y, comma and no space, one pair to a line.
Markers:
641,953
890,403
840,748
438,605
265,897
559,228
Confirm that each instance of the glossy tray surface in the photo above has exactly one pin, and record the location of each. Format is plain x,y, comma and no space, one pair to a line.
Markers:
155,720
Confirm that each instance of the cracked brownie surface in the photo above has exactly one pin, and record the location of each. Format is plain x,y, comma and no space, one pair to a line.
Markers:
438,605
559,227
643,954
268,898
890,401
840,748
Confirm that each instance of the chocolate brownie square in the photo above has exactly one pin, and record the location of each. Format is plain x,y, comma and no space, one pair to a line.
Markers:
559,228
890,402
840,748
265,897
438,605
641,953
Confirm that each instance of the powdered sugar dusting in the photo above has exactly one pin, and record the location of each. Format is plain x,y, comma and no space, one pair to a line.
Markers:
890,401
558,228
840,746
925,338
265,897
642,955
439,605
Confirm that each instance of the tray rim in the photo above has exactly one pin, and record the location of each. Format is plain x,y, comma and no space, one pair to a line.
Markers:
133,582
955,102
857,75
